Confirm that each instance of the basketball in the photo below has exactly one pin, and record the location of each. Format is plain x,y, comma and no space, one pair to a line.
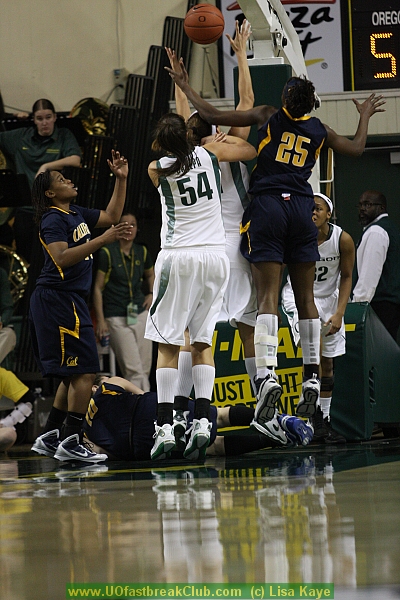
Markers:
204,24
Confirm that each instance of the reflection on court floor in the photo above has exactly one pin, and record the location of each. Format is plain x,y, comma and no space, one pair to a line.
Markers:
308,515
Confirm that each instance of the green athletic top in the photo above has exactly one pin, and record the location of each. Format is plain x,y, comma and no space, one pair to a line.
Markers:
123,274
28,150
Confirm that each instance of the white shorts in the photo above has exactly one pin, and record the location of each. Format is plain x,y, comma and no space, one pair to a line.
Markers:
188,289
331,345
240,299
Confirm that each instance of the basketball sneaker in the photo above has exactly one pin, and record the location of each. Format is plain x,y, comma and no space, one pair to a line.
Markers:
323,430
164,442
179,428
273,430
301,431
71,449
307,404
199,439
21,412
268,393
47,443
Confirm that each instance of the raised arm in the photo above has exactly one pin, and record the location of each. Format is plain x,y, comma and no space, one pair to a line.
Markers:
182,103
254,116
355,147
113,212
245,87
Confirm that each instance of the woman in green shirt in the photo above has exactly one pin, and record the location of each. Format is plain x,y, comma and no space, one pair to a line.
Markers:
121,307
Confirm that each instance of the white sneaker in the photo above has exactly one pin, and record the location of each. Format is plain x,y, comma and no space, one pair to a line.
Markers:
47,443
269,392
71,449
307,405
164,442
199,439
18,415
273,430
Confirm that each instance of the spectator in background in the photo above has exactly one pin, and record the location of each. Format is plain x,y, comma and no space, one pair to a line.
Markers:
32,150
377,268
42,146
121,307
8,338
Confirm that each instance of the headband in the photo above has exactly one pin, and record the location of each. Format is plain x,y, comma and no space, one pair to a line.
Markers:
327,200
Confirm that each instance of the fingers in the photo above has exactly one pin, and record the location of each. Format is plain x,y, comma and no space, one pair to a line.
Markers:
245,29
117,160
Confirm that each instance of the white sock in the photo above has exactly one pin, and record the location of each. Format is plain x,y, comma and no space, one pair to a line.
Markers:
325,405
251,370
185,379
310,336
203,380
266,344
166,384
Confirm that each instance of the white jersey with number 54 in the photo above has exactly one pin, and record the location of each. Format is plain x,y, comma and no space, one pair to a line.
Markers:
191,203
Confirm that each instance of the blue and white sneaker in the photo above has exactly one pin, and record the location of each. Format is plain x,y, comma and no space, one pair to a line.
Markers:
297,429
71,449
307,405
164,442
272,429
268,394
47,443
199,439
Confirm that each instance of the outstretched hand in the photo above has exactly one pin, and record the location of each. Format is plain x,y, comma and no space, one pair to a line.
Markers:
119,165
173,59
242,34
179,74
122,231
371,105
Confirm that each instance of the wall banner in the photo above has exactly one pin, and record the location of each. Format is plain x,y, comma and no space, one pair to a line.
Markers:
318,25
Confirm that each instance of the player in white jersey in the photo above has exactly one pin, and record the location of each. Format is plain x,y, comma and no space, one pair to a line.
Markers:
332,287
191,271
240,302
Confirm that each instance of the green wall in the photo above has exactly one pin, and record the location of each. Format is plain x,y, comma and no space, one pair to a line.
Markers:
371,170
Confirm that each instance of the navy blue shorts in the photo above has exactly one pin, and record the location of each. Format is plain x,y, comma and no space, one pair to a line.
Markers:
278,230
62,334
124,424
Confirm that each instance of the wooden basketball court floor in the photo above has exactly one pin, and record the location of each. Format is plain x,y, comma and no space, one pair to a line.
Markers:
304,515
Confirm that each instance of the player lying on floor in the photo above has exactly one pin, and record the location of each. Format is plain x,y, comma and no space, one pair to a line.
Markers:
120,423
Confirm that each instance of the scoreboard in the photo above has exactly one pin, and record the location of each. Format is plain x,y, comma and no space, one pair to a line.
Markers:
373,58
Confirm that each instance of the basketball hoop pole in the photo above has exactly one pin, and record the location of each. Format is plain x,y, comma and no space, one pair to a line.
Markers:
206,61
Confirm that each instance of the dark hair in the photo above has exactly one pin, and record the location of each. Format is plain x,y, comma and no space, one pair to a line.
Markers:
299,96
43,104
40,201
171,138
198,128
97,380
